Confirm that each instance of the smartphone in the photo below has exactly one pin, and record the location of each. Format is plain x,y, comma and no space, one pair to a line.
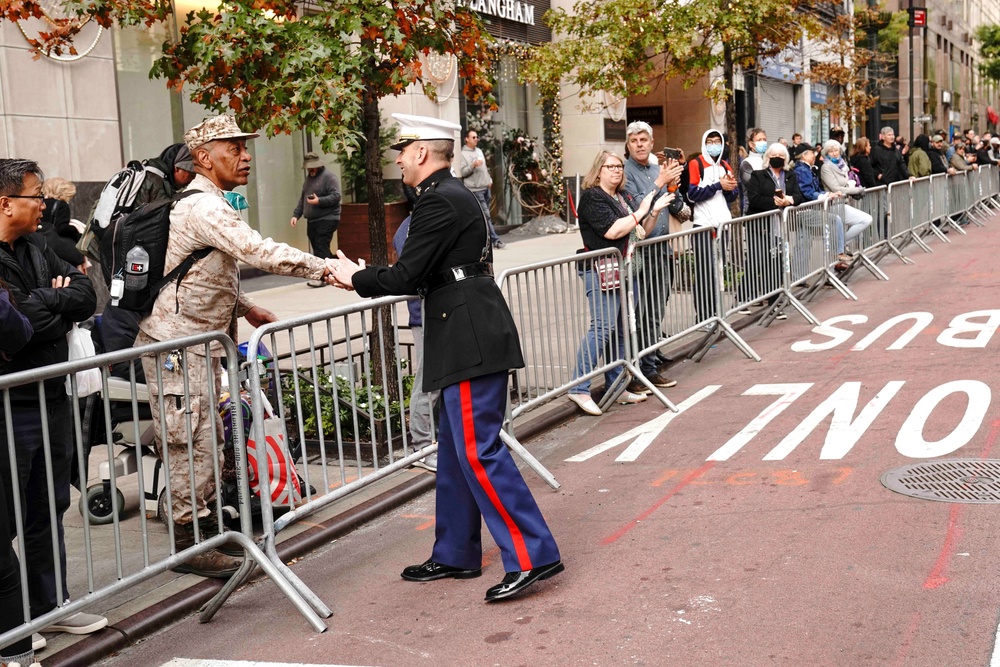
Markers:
778,192
672,153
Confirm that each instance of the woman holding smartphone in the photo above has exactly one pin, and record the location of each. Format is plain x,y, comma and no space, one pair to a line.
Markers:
769,189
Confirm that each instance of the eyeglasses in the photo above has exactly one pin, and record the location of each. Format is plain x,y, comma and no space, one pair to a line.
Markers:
38,197
614,167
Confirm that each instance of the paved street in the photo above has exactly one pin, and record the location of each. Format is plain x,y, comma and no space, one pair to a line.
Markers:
750,529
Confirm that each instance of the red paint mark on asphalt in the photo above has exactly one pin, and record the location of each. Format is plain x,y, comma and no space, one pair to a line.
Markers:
687,479
937,577
911,632
968,264
991,439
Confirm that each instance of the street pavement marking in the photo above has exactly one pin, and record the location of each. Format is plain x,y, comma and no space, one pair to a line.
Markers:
195,662
644,434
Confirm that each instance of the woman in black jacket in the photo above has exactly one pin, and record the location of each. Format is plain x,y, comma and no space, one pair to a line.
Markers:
55,225
862,163
769,189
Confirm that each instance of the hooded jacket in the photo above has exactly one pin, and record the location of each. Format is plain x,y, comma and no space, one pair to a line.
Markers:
709,202
920,162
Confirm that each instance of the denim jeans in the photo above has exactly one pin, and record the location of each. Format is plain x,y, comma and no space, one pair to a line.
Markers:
605,331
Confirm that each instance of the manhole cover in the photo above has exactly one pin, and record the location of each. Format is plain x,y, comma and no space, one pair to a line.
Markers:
948,480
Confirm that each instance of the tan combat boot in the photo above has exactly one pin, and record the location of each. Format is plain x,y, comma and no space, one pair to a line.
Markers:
212,563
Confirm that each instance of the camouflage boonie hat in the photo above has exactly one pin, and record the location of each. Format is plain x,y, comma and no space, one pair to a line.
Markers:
217,127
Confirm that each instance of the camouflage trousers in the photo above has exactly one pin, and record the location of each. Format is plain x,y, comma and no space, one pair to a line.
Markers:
190,416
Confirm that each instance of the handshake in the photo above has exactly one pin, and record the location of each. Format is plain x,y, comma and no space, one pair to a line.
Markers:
340,271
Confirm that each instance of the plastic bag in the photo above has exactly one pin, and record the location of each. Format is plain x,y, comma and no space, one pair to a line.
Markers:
81,346
283,478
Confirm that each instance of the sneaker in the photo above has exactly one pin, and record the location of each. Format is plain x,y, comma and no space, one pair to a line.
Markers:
316,283
499,245
37,642
781,315
707,328
429,462
628,397
586,403
744,311
79,624
662,381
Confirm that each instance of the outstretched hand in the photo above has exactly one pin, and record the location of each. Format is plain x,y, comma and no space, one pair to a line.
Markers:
340,271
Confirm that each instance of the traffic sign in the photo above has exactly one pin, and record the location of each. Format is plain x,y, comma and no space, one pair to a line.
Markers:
926,118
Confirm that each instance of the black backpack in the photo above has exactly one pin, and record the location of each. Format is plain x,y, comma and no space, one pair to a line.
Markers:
135,287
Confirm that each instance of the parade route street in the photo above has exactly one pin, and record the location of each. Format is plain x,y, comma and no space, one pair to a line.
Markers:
749,529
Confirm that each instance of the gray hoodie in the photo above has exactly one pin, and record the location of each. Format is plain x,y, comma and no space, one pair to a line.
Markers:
325,186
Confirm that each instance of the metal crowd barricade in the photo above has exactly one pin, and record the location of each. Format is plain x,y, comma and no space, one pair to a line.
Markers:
345,407
119,556
975,211
813,238
955,190
873,239
920,217
900,201
680,290
556,316
990,185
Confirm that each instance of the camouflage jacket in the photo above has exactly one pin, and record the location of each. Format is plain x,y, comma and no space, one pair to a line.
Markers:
208,299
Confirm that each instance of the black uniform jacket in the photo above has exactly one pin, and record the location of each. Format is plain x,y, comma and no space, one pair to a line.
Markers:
51,311
468,328
760,191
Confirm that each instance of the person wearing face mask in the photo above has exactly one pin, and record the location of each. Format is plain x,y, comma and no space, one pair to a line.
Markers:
756,146
772,188
837,176
712,188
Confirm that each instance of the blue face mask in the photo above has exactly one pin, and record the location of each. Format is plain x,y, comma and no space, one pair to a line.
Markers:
760,147
236,200
714,150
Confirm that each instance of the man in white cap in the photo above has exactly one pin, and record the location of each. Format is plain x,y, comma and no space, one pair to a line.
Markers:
207,299
470,344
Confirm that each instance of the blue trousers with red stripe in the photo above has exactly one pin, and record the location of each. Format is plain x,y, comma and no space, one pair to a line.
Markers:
477,479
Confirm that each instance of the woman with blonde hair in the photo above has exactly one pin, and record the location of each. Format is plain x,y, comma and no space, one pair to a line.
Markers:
56,224
608,221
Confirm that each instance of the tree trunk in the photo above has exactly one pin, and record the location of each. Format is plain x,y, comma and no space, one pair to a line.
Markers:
382,339
729,76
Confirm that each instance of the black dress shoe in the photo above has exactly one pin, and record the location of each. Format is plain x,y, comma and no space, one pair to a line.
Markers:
516,582
431,571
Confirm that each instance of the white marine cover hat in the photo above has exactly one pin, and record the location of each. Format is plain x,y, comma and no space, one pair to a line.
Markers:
422,128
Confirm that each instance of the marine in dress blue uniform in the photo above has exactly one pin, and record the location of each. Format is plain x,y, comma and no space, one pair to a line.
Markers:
470,344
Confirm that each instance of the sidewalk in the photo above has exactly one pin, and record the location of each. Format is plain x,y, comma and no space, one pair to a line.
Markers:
292,300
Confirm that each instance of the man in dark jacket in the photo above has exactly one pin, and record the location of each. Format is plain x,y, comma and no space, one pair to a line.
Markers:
470,344
936,152
53,295
886,161
320,204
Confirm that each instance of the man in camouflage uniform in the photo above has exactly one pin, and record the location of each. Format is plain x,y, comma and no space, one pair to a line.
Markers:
207,299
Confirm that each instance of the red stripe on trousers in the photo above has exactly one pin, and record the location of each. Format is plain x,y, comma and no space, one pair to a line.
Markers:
472,453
